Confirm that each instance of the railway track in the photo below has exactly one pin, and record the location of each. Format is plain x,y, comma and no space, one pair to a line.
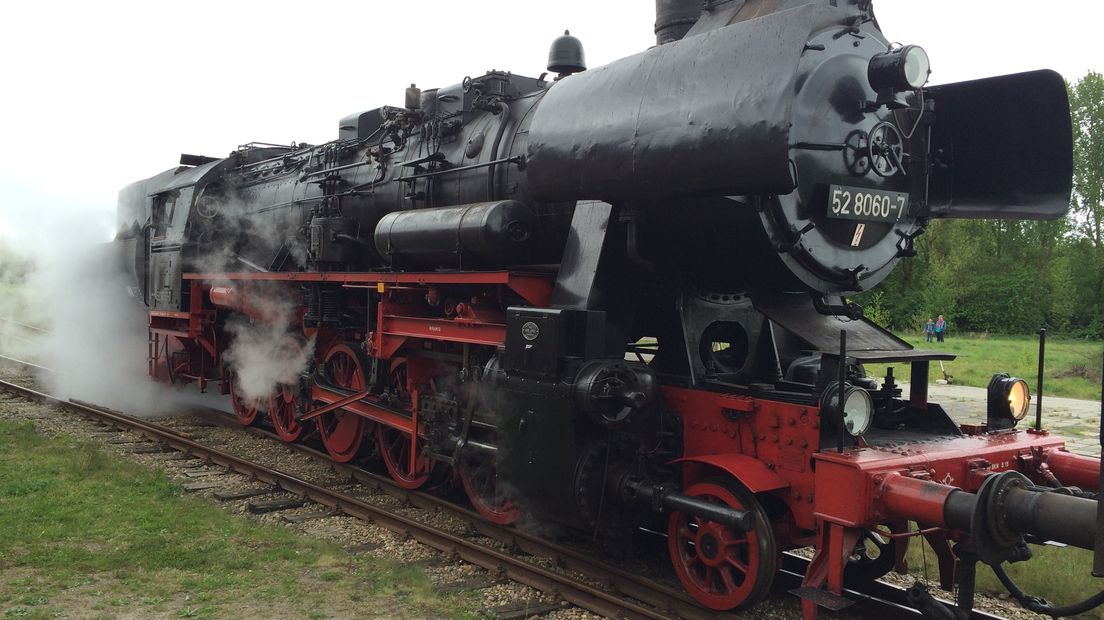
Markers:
602,589
23,333
25,364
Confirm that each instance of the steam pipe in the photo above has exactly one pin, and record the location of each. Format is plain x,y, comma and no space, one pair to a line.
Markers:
666,498
503,119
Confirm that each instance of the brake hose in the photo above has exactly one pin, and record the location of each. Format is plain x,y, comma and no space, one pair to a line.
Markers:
1039,605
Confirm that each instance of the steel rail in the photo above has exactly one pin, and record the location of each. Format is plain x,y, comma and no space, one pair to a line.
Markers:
26,364
588,597
893,599
25,326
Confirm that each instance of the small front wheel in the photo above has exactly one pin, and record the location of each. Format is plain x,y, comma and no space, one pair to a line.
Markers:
720,566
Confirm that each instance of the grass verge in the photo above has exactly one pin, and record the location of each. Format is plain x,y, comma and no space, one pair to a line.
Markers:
1073,367
1062,576
86,534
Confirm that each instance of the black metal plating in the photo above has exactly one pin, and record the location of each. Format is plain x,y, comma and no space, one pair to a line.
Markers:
477,233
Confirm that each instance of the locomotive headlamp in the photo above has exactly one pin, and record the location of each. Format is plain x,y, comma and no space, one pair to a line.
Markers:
858,407
1008,399
900,69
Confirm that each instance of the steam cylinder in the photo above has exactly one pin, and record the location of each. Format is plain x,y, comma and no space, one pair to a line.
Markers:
486,232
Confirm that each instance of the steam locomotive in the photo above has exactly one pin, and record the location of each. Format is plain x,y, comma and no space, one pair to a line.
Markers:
612,297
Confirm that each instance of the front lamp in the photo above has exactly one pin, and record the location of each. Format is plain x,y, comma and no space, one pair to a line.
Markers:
1008,399
898,70
858,407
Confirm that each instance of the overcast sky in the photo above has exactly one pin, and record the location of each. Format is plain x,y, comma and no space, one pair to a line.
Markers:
99,94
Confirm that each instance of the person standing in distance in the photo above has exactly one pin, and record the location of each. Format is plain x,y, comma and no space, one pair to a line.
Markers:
940,328
929,329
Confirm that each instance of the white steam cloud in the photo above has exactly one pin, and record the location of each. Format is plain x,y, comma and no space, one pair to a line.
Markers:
266,349
265,352
58,273
97,338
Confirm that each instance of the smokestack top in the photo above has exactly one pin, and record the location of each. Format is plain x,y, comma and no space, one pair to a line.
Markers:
674,18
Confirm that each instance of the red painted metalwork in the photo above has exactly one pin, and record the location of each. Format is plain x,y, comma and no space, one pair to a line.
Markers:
282,407
961,462
323,395
479,477
342,431
941,545
874,485
408,469
360,407
183,346
227,297
1074,469
750,471
448,330
834,546
915,499
766,445
245,410
404,313
722,567
773,448
400,448
534,288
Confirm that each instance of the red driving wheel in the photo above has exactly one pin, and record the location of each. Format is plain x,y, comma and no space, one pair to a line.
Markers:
341,431
395,445
720,566
245,409
479,476
282,407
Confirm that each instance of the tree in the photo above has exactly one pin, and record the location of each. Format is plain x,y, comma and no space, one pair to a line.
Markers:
1087,112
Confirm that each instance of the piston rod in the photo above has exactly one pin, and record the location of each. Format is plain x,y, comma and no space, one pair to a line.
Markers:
663,497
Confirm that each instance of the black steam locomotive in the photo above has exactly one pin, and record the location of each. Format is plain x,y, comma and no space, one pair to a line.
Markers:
604,297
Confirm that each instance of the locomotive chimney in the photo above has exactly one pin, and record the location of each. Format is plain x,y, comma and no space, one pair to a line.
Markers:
674,18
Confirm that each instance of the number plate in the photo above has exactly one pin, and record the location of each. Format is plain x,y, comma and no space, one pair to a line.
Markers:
867,205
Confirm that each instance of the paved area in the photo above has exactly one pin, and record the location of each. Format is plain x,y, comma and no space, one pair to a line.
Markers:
1076,420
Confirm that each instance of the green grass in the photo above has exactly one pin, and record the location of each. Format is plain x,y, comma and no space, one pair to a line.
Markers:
1072,366
84,532
1059,575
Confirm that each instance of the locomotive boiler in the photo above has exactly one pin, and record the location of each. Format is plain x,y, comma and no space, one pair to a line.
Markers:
611,296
